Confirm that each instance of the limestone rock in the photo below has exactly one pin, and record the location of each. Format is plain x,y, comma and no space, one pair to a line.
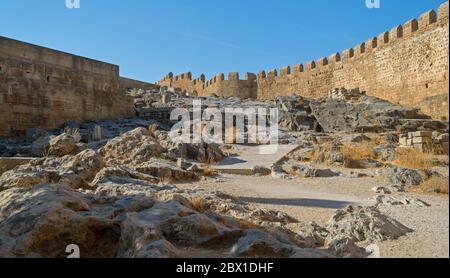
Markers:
261,171
41,145
132,148
76,171
294,113
42,221
364,224
279,173
62,145
312,235
402,176
381,190
306,171
164,170
81,169
347,248
121,174
134,221
160,249
385,152
271,216
27,176
209,153
398,201
203,153
360,113
191,230
260,245
9,163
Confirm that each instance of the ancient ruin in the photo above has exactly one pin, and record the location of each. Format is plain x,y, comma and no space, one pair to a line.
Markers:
91,161
408,65
41,87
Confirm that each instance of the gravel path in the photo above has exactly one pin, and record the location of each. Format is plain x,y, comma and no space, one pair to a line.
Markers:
317,199
430,238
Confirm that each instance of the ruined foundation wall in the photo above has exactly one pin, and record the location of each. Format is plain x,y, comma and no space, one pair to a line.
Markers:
41,87
407,65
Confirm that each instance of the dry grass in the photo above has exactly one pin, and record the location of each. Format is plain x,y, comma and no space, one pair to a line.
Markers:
355,152
352,153
436,185
359,151
153,128
207,171
198,204
321,154
247,224
413,159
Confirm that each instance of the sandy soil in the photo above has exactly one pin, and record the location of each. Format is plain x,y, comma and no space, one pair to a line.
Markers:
317,199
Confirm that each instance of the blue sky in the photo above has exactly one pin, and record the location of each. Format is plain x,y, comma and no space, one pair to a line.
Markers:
149,38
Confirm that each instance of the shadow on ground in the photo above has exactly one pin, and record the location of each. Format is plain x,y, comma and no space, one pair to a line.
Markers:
232,161
330,204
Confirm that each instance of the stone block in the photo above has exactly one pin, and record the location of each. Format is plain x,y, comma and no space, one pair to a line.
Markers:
422,140
422,134
409,142
403,141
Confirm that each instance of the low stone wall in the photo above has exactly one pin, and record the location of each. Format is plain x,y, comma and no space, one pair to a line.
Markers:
426,141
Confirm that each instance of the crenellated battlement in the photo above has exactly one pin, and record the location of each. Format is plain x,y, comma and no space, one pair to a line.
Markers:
426,21
221,85
405,64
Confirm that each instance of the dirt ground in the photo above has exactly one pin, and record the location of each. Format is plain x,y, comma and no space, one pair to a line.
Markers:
316,200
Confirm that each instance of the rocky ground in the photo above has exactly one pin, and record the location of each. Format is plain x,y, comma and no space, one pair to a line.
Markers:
317,199
125,189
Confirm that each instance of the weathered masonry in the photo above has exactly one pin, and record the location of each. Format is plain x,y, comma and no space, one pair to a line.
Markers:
408,64
41,87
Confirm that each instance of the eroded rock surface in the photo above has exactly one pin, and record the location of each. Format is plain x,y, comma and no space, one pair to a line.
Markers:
364,224
132,220
76,171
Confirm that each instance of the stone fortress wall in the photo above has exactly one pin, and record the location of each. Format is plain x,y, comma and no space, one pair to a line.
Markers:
408,65
41,87
219,85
